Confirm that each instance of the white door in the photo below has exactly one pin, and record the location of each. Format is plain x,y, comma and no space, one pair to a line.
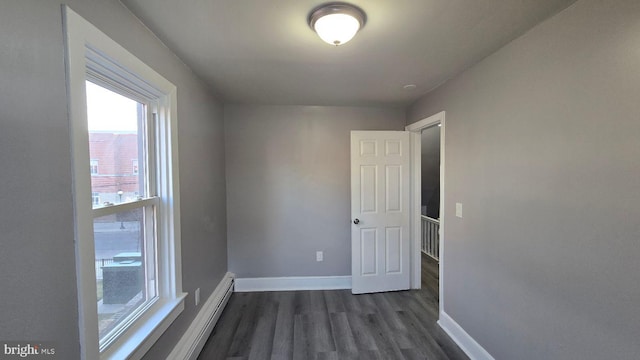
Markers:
380,232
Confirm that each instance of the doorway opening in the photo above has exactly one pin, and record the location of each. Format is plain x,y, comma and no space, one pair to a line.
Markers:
430,208
428,205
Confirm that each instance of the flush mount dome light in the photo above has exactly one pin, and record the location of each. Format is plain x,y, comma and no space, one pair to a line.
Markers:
337,23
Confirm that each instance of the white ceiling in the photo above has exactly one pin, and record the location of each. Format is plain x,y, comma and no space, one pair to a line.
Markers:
263,51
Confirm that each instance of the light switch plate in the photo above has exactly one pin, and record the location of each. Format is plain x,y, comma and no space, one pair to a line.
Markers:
459,210
197,296
319,256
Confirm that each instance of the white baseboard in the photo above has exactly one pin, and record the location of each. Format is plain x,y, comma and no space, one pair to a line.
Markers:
473,350
191,343
293,283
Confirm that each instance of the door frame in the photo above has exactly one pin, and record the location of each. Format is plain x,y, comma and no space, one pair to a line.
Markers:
416,174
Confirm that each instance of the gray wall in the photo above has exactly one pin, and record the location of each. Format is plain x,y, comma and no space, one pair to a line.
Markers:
38,300
543,150
288,186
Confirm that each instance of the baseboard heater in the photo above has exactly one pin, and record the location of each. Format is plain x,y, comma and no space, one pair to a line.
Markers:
193,340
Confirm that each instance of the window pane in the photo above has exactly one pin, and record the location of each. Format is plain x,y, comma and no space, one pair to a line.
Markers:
125,266
116,145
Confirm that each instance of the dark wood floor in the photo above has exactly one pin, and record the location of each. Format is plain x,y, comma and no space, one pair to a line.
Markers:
333,324
430,276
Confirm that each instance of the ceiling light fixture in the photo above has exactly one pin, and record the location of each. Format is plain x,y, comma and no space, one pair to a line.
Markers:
337,23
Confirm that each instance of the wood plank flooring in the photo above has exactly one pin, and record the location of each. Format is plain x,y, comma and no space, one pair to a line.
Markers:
333,324
430,276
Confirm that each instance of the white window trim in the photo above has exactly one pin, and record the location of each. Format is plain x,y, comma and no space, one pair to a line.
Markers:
87,48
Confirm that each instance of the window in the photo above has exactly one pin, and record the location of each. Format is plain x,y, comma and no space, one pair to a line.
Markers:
119,128
123,116
94,167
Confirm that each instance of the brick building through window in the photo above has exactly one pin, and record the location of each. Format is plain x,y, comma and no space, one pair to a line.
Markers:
118,177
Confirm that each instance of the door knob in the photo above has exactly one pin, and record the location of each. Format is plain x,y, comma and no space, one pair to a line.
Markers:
356,221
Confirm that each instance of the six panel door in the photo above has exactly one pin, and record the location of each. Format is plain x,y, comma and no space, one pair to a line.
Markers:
380,232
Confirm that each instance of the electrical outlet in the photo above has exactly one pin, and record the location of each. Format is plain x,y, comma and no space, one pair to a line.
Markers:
197,296
319,256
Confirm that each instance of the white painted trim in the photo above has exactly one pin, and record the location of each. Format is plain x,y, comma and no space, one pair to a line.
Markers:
116,208
144,333
468,344
417,128
426,122
293,283
193,340
443,216
416,191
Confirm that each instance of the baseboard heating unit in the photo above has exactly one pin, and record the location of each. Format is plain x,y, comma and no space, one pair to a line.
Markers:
193,340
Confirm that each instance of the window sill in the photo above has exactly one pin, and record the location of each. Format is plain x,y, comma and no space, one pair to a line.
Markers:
139,338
